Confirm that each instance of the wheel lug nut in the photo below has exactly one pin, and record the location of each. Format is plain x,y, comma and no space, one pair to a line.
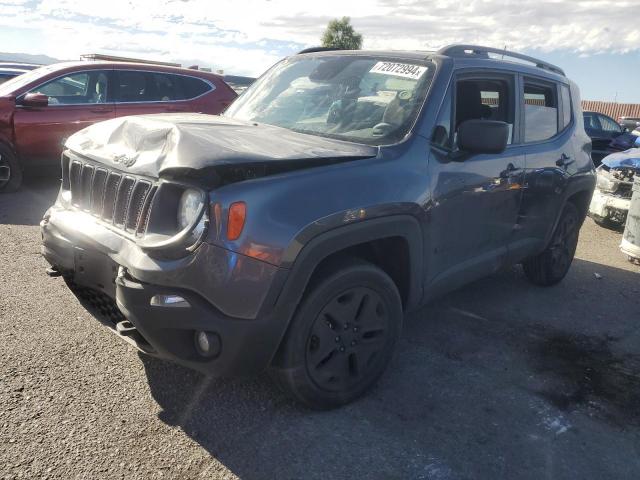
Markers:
353,343
346,326
337,339
342,349
355,329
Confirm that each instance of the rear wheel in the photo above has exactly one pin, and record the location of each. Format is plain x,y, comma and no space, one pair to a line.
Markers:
551,266
10,171
342,337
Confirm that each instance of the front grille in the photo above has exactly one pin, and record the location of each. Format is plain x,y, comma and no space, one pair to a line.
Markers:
121,199
625,190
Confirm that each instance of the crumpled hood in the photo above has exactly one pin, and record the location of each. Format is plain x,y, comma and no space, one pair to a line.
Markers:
627,159
152,144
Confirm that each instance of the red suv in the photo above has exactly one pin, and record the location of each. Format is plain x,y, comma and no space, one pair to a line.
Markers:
40,109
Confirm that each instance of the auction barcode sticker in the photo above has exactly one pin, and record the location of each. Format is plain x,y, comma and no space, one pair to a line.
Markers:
399,69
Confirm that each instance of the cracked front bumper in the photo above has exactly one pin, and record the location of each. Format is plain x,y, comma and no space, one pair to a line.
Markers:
228,294
605,206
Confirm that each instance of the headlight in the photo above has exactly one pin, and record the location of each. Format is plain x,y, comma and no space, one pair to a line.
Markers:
605,182
189,207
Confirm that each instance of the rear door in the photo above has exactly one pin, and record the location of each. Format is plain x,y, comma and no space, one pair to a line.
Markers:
76,100
547,129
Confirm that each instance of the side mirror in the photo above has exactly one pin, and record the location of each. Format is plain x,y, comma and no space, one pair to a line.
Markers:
35,100
483,136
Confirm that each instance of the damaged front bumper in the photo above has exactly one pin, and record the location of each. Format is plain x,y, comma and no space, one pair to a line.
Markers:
609,207
228,295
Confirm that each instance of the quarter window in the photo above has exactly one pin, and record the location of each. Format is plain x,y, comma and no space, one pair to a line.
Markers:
540,111
441,135
194,87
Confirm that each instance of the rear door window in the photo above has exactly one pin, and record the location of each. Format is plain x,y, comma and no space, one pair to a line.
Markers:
540,111
132,86
138,86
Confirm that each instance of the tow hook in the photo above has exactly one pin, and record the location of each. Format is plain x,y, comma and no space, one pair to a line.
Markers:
52,272
126,328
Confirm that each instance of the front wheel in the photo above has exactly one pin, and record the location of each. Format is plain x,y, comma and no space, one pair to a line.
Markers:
342,336
551,266
10,171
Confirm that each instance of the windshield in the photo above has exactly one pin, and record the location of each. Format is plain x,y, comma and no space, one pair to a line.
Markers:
356,98
20,81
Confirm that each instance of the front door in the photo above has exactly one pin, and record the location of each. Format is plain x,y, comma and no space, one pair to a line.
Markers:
475,197
76,100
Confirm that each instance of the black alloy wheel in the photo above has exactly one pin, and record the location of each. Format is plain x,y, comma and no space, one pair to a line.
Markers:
342,337
551,266
346,339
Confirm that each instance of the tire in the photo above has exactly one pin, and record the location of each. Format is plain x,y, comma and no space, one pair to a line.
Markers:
10,171
608,224
550,267
342,336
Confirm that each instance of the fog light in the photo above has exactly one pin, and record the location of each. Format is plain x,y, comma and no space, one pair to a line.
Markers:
168,301
207,344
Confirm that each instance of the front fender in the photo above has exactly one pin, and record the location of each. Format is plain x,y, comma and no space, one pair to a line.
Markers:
303,258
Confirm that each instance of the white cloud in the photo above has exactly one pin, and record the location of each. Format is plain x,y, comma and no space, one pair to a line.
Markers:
248,36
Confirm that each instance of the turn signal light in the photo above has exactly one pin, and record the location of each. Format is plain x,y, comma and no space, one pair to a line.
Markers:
235,221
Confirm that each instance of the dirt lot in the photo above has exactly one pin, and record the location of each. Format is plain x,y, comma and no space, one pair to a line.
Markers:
497,380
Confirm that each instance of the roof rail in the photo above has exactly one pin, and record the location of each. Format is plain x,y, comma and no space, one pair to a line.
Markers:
317,49
477,50
113,58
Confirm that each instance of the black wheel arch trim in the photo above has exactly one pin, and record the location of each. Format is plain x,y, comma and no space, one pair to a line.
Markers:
577,184
290,284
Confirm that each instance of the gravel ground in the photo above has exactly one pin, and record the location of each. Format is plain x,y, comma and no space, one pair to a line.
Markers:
497,380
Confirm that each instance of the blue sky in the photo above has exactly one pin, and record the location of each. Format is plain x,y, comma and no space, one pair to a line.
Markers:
597,42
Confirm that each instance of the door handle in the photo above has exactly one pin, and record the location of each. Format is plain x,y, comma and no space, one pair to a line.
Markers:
564,161
508,171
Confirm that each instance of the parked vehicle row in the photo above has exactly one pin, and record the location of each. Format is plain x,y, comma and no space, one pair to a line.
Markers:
603,131
9,70
630,123
341,190
40,109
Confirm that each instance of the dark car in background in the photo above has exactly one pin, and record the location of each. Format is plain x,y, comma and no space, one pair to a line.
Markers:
602,130
41,108
630,123
7,73
239,83
20,66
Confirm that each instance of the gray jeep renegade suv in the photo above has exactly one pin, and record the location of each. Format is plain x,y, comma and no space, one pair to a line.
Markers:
341,190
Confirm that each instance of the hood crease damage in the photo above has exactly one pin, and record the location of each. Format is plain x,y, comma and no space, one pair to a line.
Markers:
215,149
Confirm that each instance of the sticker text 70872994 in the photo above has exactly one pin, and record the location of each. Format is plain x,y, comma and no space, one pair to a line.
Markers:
399,69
